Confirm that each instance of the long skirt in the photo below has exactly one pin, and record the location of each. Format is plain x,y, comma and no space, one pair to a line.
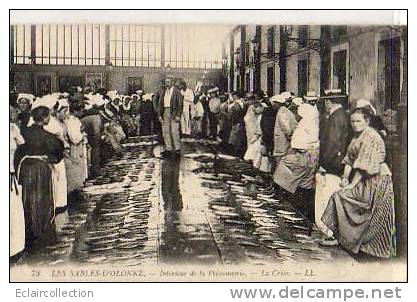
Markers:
237,139
59,184
252,150
17,218
185,119
76,167
196,127
326,185
37,196
363,218
297,169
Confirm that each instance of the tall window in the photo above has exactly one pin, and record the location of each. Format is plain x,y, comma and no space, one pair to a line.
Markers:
135,45
70,44
271,41
270,80
340,67
20,43
302,36
389,72
302,77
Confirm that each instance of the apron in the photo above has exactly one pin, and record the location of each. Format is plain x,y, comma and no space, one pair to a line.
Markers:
17,218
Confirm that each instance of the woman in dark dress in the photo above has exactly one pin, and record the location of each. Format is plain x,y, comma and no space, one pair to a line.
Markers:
146,112
34,174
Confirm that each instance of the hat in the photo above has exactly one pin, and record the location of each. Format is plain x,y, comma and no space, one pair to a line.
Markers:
26,96
139,91
212,90
278,98
362,103
311,96
286,95
148,96
38,103
62,103
306,111
113,95
297,101
49,100
333,94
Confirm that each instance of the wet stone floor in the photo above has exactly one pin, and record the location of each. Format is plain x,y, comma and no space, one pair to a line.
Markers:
204,208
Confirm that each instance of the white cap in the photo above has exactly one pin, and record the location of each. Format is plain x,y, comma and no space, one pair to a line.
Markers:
278,98
362,103
26,96
297,101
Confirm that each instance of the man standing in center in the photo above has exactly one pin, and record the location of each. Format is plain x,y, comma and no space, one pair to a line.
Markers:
170,110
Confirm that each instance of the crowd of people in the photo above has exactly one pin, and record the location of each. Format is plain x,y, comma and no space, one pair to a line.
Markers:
327,159
324,155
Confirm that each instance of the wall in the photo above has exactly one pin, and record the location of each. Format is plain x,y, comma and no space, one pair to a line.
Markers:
267,63
313,59
115,78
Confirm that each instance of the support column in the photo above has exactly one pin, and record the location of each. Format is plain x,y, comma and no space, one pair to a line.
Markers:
11,41
107,42
162,46
232,62
242,58
282,59
257,75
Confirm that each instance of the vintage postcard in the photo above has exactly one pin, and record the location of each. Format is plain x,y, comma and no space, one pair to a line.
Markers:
145,147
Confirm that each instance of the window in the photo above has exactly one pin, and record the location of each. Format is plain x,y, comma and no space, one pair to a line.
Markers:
65,82
302,77
247,54
340,68
270,80
43,84
20,43
70,44
134,84
302,36
271,41
389,73
135,45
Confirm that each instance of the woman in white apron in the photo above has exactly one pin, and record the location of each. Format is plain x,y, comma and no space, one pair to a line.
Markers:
59,174
17,216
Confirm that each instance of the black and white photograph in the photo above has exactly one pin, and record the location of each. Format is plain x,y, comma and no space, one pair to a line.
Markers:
178,151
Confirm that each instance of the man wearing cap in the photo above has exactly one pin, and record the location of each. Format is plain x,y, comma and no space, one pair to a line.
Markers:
170,110
285,124
214,110
334,140
188,95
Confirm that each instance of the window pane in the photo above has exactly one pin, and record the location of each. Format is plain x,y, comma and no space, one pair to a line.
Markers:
68,43
61,44
45,44
88,47
74,53
53,40
82,43
119,53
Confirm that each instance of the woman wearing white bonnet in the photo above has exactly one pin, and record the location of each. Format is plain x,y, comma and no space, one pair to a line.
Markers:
376,121
57,128
295,172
